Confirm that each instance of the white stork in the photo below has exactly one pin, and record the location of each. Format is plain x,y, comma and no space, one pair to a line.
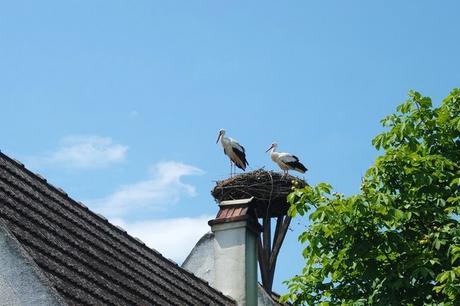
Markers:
233,150
285,161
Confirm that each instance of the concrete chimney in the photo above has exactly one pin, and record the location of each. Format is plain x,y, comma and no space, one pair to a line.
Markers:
235,251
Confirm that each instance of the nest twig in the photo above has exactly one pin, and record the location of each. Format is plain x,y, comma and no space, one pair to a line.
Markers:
264,186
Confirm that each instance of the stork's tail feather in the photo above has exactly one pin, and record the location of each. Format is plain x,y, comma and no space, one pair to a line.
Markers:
298,166
240,166
242,163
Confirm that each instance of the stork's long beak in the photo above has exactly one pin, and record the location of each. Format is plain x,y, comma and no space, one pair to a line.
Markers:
218,137
269,148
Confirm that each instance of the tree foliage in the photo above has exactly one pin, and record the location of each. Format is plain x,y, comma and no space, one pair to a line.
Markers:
396,242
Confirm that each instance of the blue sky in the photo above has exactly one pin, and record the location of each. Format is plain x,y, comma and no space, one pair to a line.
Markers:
120,102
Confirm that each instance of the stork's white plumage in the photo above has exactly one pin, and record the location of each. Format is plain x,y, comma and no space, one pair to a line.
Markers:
233,150
285,161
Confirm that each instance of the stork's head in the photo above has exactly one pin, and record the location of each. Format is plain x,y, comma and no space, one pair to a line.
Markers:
272,146
221,133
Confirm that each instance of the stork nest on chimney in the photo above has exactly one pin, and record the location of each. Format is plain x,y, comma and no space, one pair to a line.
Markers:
264,186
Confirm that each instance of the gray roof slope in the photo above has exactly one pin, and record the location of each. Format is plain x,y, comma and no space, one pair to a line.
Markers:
88,260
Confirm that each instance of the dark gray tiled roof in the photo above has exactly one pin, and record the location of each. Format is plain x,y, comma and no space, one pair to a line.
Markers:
88,260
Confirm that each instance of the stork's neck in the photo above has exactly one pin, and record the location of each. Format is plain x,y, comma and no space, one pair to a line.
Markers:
224,140
273,154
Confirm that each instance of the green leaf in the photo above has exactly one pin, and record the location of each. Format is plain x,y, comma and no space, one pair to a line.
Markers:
425,102
455,182
377,142
292,211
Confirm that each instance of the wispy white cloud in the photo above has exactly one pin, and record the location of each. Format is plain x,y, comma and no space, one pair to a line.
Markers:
173,238
163,188
83,152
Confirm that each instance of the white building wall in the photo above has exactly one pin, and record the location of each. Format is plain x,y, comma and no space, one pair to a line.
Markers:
200,261
21,281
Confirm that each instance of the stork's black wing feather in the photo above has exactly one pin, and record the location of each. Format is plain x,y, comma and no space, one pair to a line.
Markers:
297,165
242,156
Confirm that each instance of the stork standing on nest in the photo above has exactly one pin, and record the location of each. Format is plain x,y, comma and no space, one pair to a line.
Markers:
233,150
285,161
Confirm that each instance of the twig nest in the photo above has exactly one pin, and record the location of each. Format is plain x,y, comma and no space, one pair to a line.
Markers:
268,188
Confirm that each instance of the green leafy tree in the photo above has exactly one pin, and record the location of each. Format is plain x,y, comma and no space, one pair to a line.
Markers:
396,242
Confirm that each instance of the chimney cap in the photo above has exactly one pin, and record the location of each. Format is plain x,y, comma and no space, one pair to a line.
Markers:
237,210
236,202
